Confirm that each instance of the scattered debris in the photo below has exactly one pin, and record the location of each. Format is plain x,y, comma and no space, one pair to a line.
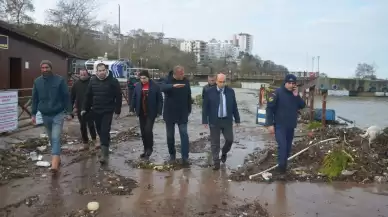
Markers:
107,182
348,159
29,201
141,164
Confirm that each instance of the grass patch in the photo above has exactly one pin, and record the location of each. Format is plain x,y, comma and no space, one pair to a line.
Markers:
335,162
314,125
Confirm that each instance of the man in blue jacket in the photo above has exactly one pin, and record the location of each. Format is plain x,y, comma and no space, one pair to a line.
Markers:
281,118
50,96
177,108
218,110
147,102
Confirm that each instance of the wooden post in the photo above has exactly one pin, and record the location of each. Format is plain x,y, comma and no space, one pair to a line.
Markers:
311,95
261,95
324,95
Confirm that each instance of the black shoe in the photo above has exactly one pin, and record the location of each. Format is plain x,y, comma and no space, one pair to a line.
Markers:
143,155
172,159
281,170
104,155
185,163
216,166
223,158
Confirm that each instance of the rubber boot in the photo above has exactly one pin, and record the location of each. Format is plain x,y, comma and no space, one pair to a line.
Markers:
104,156
55,161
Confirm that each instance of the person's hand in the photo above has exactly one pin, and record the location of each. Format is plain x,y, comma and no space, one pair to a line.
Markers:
33,120
178,85
271,129
206,126
83,113
117,116
68,117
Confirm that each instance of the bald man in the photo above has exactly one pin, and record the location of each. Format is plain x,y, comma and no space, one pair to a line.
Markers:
218,111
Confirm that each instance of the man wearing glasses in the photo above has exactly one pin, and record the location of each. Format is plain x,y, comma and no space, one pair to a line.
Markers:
281,118
103,97
147,102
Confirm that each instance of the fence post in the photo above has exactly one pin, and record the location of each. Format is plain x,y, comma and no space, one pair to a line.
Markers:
324,95
311,95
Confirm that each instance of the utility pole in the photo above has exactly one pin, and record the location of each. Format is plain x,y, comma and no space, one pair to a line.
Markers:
318,62
312,67
119,36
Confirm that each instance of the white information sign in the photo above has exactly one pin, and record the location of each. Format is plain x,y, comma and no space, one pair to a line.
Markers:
8,111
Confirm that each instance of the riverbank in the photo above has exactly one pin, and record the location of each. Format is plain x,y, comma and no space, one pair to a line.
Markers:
192,192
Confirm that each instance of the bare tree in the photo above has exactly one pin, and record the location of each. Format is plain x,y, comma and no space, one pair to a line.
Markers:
16,11
75,19
365,71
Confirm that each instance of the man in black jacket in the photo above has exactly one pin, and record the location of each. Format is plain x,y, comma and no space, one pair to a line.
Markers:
218,111
211,82
177,108
147,102
78,96
104,98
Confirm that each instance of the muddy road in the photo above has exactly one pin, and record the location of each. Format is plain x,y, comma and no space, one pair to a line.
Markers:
122,189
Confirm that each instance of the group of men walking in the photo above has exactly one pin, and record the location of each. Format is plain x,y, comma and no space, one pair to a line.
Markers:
97,100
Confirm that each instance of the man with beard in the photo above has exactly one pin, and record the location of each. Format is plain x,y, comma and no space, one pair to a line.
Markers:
177,108
50,96
104,98
78,97
211,82
147,102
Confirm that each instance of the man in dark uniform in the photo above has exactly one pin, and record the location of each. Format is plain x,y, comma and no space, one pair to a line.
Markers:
78,96
281,118
211,82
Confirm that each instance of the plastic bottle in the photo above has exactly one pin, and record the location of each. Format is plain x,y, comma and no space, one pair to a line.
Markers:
43,164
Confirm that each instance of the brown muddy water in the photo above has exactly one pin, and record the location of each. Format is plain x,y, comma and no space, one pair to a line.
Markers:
191,192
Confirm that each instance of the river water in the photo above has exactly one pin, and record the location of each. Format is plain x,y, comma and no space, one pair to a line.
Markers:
364,111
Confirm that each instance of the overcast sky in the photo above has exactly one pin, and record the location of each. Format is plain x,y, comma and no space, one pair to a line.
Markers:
289,32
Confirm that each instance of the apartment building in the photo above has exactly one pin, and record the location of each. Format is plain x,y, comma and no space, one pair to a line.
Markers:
222,49
197,47
173,42
244,41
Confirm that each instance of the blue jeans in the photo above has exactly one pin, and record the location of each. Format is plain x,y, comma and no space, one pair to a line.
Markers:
284,137
170,131
54,126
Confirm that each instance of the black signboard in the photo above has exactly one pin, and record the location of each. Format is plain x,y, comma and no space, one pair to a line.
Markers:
4,42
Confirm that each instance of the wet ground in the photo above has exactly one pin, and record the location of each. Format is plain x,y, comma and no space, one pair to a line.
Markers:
122,190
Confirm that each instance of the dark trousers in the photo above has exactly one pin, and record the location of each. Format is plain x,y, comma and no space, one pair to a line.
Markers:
170,131
87,121
225,127
284,137
130,93
147,134
103,124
